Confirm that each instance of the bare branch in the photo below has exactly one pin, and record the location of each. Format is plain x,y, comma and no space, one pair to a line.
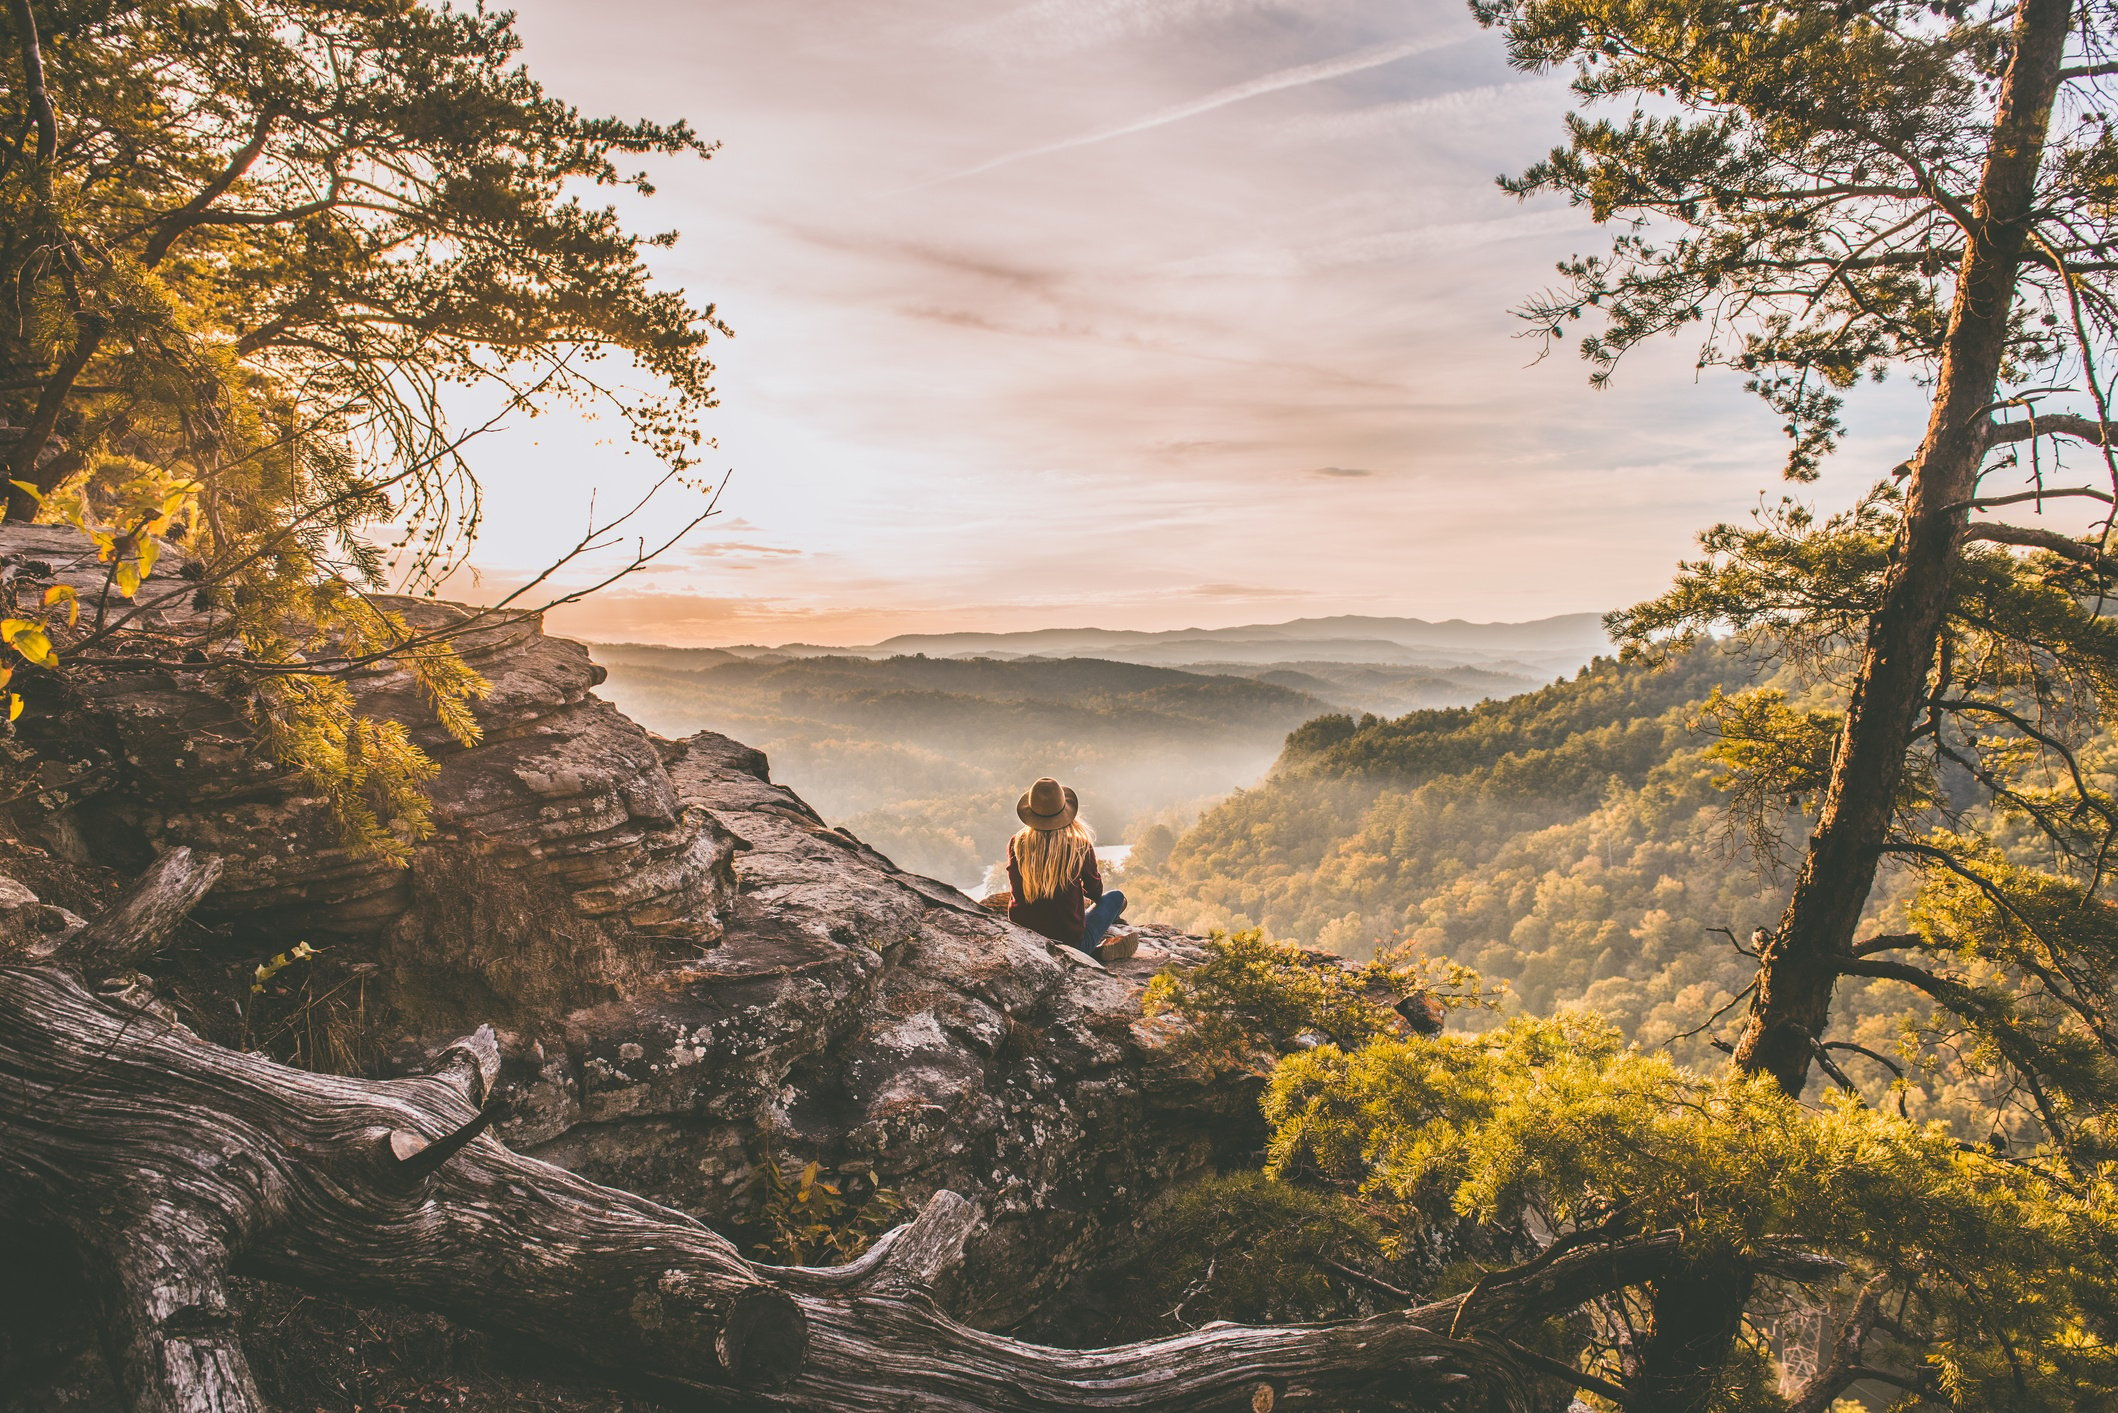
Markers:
1852,1047
1567,1373
1843,1369
183,219
2062,493
1948,993
1831,1067
2031,538
912,1259
1363,1278
1888,942
2034,732
2053,424
33,89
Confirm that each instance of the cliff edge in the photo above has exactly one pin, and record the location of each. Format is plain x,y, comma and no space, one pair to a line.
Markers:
692,975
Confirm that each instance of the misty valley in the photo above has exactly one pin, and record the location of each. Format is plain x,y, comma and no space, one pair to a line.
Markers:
920,745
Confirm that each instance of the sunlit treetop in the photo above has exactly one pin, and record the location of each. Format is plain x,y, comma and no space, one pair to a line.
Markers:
257,259
1797,180
315,217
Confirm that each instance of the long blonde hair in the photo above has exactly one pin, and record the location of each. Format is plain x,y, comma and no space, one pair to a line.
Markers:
1050,860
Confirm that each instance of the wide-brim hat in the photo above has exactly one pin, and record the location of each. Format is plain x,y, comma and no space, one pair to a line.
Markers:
1047,805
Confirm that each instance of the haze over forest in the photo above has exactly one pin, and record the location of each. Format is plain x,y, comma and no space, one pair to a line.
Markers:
920,744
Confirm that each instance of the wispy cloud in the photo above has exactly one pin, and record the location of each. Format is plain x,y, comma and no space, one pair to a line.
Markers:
1372,57
935,256
724,549
1200,445
1245,591
1171,352
1290,259
1384,118
1452,235
1063,26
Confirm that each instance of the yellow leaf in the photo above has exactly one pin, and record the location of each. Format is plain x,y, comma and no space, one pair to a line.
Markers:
7,675
127,579
59,591
27,637
14,706
33,643
27,489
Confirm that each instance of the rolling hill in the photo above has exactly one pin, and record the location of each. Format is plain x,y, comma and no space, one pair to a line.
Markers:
924,757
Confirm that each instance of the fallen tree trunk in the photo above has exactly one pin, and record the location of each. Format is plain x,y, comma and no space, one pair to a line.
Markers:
172,1162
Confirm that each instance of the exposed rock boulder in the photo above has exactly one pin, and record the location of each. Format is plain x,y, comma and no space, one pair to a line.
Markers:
858,1014
29,926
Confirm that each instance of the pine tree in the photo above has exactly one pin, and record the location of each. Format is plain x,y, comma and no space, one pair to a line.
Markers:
1832,192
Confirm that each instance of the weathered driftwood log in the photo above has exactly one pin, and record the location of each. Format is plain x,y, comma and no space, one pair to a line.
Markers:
135,926
172,1162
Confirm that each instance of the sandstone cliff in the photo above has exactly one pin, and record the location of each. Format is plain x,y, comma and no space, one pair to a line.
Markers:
688,968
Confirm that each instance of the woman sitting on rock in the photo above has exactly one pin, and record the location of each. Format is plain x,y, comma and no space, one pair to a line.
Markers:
1056,887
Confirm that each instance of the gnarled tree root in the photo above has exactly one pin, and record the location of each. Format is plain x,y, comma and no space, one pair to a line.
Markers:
172,1162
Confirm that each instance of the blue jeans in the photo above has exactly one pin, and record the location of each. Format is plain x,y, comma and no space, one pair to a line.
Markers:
1102,916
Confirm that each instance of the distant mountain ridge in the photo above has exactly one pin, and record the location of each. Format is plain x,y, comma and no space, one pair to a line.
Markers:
1534,648
1563,632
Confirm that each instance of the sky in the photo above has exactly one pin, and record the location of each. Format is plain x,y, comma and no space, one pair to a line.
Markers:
1121,314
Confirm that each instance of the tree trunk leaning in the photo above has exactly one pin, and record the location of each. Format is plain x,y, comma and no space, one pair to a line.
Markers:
134,927
1800,959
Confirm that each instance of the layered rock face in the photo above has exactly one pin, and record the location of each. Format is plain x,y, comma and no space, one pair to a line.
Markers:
859,1014
690,970
563,871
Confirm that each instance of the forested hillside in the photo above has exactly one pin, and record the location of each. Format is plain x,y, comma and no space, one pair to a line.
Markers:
1569,842
924,757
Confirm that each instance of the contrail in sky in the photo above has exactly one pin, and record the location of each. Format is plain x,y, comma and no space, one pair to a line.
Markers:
1374,56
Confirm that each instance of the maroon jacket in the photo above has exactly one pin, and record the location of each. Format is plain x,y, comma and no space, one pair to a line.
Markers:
1059,917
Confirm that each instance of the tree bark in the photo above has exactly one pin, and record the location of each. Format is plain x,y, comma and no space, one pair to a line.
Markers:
1698,1313
37,98
171,1162
169,1333
44,420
